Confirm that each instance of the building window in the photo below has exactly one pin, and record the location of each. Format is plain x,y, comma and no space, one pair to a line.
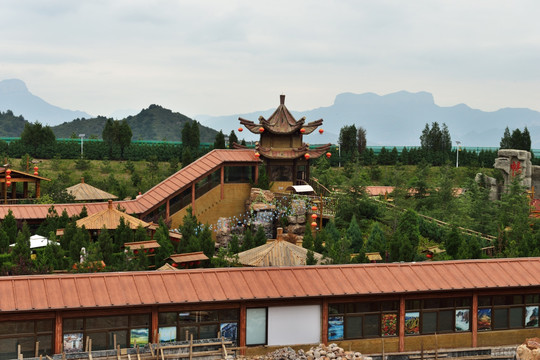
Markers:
362,320
256,326
106,331
430,316
201,324
501,312
25,333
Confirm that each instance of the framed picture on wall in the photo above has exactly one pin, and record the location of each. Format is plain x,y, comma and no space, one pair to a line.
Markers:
335,327
73,342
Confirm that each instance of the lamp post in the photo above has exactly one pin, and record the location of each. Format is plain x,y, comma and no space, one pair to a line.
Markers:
457,152
82,137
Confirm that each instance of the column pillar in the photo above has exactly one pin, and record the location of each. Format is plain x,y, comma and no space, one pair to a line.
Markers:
474,320
222,181
193,198
154,330
242,329
324,317
401,323
58,333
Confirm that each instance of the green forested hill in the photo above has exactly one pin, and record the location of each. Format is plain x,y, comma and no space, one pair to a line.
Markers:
154,123
11,125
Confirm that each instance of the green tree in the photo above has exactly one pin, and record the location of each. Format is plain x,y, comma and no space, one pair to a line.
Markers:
106,246
123,136
406,238
234,245
308,241
207,244
187,157
21,250
232,139
453,243
355,235
260,237
376,241
4,242
248,242
108,135
361,140
9,225
140,234
219,142
123,234
506,140
165,246
35,136
348,143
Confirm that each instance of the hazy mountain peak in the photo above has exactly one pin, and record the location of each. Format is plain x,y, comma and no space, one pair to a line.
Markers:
12,86
16,97
400,97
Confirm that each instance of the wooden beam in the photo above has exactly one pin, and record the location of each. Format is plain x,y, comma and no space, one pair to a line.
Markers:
242,329
154,330
474,320
193,198
58,333
38,189
401,323
324,317
222,181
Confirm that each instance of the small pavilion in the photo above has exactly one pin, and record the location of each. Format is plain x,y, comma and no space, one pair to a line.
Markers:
281,145
110,219
86,192
12,178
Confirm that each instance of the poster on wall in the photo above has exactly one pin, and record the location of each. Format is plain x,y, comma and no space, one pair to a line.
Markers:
388,324
462,320
139,337
412,322
73,342
229,330
484,319
335,327
531,316
167,334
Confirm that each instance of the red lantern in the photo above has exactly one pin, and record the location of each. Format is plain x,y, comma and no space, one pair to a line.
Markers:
313,216
261,129
328,154
429,255
135,252
313,208
8,171
35,170
8,177
302,130
240,129
257,155
145,251
36,173
314,224
321,131
8,183
152,251
174,265
307,156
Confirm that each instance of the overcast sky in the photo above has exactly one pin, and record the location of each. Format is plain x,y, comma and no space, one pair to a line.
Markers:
223,57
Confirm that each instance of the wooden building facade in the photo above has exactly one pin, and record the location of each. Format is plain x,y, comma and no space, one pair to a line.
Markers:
402,306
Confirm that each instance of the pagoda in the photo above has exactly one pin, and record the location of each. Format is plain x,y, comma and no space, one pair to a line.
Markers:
281,147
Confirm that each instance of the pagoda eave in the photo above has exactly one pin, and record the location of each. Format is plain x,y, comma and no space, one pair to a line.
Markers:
291,154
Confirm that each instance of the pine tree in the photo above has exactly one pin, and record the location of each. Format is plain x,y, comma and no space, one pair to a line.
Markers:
234,246
10,226
4,241
506,140
140,234
249,242
310,258
21,250
376,241
232,139
308,241
165,246
207,244
355,234
406,238
123,234
219,142
106,246
189,230
453,242
260,237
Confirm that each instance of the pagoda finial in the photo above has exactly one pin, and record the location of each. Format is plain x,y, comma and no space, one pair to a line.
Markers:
282,99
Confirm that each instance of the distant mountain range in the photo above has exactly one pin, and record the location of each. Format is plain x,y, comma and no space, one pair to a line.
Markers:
395,119
398,119
14,96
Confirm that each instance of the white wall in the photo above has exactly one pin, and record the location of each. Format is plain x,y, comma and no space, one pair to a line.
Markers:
290,325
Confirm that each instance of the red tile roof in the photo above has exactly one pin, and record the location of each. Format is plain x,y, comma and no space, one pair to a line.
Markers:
171,186
46,292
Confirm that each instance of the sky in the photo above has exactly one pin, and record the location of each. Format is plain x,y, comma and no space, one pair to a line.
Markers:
218,57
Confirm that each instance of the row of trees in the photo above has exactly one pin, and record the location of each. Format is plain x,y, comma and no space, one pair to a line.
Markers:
520,140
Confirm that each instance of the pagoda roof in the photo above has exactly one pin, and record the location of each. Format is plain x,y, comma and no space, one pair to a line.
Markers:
86,192
292,153
110,219
281,122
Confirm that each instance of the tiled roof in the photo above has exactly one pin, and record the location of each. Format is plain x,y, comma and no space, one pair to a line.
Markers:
110,219
276,253
97,290
149,200
86,192
188,257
